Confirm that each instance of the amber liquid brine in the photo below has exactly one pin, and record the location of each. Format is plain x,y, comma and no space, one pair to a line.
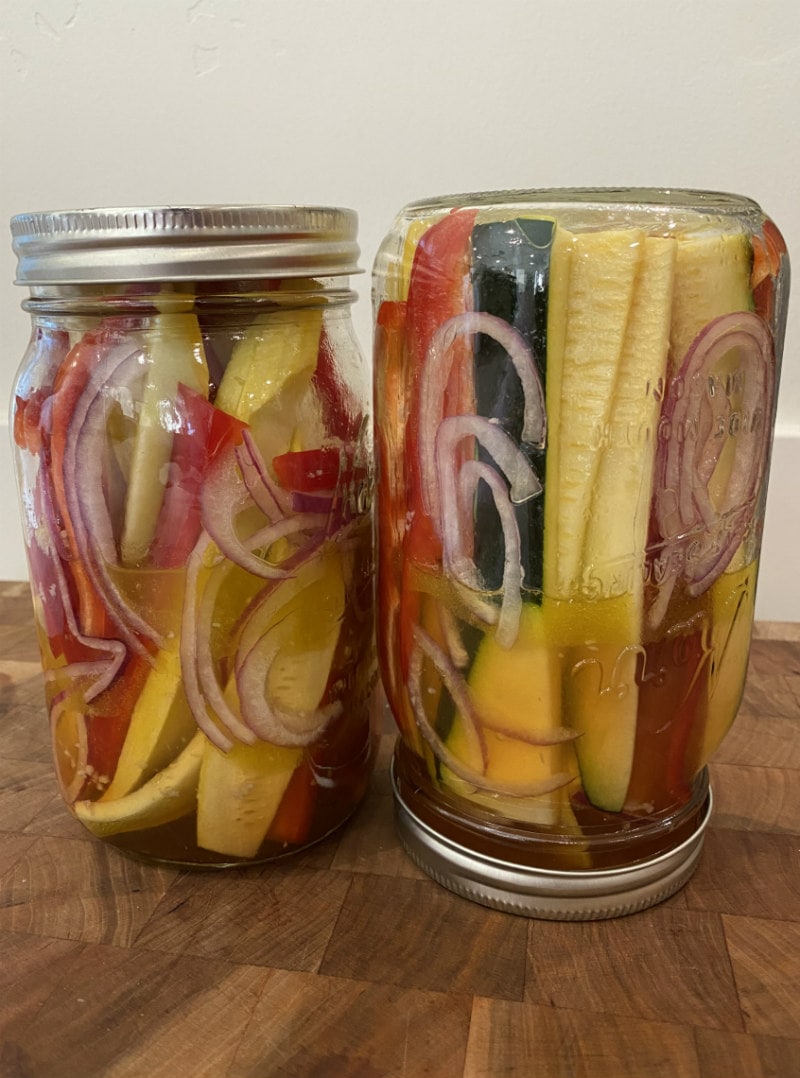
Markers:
196,475
574,408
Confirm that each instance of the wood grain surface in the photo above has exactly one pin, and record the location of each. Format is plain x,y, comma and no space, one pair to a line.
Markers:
348,962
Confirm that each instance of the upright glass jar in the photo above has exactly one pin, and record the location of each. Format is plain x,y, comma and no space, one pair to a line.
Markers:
575,393
193,435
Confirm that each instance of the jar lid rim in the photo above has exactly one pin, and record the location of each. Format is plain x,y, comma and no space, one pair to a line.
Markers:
666,197
201,242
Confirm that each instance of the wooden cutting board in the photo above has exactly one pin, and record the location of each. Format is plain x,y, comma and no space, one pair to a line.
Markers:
347,962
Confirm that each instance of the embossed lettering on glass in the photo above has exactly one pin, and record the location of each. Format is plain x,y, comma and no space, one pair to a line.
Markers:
574,395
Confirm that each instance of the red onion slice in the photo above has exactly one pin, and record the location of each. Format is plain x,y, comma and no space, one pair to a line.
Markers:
84,451
210,708
206,666
457,687
282,529
276,725
213,725
435,376
469,775
102,671
523,482
223,498
687,464
456,651
259,645
269,496
457,493
511,599
556,735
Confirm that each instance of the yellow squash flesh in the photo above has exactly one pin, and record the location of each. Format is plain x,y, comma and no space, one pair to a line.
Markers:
169,795
175,355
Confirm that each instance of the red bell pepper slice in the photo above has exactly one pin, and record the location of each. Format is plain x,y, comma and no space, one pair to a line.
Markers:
436,293
202,433
291,824
390,492
107,720
309,470
31,412
340,411
28,428
767,255
662,775
70,382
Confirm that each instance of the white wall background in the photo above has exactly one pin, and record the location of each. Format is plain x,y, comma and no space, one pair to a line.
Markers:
373,103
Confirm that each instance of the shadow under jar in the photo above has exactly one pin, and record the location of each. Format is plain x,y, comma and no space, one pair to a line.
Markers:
193,437
575,395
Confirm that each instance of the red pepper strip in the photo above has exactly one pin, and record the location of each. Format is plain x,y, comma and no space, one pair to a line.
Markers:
45,585
28,431
340,411
107,720
436,293
106,717
390,491
767,254
309,470
70,382
202,432
661,775
31,423
291,824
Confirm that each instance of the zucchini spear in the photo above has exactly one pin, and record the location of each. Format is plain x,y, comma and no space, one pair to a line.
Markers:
618,305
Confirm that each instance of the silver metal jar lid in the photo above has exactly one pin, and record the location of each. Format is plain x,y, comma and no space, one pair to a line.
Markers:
546,893
177,243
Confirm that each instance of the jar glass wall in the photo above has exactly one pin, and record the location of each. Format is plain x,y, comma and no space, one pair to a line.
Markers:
575,394
193,452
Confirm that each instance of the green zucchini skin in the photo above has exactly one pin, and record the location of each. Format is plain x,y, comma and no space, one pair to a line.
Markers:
510,265
510,271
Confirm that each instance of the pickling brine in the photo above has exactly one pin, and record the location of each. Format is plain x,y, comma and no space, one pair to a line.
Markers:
194,461
575,395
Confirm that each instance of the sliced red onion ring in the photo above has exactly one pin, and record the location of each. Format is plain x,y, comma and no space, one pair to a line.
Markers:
269,496
102,670
463,568
687,463
456,686
84,451
282,529
258,647
458,654
222,499
270,723
205,665
435,376
474,778
511,598
509,458
557,735
95,529
213,725
457,493
212,712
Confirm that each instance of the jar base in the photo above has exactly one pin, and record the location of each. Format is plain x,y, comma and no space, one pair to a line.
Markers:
219,862
520,886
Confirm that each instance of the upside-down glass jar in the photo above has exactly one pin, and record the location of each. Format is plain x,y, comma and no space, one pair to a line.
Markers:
575,394
192,423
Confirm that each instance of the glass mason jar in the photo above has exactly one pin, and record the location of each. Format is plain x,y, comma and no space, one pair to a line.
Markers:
574,395
193,437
